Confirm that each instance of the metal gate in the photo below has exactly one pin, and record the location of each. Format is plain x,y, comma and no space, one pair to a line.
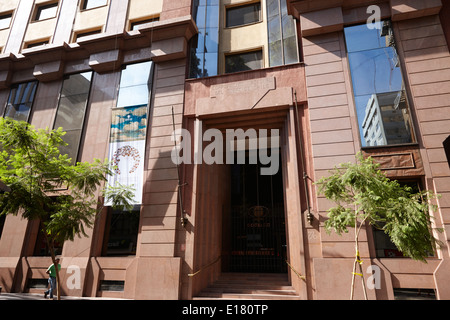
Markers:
258,233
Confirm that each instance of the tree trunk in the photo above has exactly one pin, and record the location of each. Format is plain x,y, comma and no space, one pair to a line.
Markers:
358,261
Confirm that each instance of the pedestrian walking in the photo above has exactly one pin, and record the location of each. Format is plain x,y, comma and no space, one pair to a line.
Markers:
51,271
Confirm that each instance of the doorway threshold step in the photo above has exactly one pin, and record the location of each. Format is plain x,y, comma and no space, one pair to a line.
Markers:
236,296
250,286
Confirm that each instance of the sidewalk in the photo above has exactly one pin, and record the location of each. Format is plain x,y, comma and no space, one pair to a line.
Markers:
29,296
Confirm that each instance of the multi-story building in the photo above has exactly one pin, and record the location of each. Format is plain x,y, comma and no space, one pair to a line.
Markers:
302,78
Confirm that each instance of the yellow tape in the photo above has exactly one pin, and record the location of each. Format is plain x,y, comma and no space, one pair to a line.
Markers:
358,258
358,274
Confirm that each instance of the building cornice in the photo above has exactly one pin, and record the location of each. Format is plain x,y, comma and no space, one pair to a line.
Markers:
159,41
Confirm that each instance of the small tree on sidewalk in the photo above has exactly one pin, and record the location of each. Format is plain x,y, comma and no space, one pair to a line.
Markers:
46,186
365,196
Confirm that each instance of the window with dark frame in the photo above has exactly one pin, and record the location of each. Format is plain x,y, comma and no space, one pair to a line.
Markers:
71,111
244,61
91,4
135,25
85,34
121,232
36,44
46,11
379,90
2,224
21,100
5,20
446,145
243,15
41,248
383,245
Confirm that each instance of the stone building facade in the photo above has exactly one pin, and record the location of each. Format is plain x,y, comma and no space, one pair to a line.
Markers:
295,75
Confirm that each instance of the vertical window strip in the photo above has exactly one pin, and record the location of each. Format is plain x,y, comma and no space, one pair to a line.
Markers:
204,55
282,34
379,91
71,112
129,128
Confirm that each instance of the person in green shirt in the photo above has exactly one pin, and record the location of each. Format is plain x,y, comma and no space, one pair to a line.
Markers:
51,271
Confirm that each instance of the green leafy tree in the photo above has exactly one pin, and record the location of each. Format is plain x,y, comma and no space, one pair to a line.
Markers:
44,185
365,196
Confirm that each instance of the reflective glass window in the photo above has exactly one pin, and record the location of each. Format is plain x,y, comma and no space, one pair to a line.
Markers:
204,47
21,100
242,15
379,90
72,110
243,61
282,34
121,233
135,85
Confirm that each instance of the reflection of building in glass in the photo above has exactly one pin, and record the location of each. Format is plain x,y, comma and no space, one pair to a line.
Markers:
379,89
387,120
269,26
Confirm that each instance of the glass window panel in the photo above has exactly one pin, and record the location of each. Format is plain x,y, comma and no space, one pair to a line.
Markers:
273,9
274,29
243,62
200,41
375,71
275,49
243,15
378,87
212,40
210,67
283,45
19,112
122,233
360,38
138,24
89,4
71,112
196,65
136,74
5,21
201,17
288,27
290,50
24,93
77,84
275,54
46,11
20,101
205,47
212,17
133,96
72,138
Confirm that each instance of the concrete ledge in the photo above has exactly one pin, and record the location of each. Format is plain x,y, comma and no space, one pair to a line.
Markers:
323,21
411,9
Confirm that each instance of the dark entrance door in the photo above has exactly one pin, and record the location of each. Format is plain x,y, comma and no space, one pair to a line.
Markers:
256,225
